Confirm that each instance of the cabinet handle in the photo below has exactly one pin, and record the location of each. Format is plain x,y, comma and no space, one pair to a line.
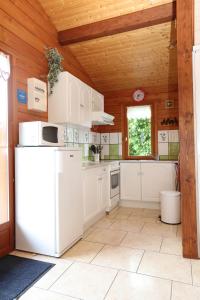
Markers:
81,105
100,178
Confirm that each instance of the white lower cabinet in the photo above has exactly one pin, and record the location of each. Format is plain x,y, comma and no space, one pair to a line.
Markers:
143,181
95,194
157,177
130,185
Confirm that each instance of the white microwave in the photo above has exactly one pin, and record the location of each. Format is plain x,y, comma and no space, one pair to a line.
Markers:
38,133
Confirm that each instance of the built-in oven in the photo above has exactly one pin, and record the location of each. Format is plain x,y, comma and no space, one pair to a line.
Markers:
114,183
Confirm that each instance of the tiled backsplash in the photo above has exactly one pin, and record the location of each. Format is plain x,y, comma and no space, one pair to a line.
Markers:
112,145
84,138
81,137
168,144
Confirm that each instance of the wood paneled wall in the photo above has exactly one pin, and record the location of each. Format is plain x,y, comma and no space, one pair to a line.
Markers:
197,22
117,100
25,31
115,103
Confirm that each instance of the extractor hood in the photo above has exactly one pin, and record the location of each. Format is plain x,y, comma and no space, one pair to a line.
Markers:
102,118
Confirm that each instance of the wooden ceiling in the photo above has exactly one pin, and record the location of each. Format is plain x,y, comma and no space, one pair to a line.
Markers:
140,58
72,13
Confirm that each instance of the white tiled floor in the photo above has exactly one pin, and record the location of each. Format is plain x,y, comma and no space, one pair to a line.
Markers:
128,255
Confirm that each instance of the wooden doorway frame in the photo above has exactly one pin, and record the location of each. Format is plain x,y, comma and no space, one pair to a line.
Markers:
7,229
185,42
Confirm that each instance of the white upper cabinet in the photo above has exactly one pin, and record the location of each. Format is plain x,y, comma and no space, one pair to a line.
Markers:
85,105
71,101
130,185
97,101
74,99
58,102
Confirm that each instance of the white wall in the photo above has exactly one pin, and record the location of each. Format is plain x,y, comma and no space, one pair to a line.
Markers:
197,22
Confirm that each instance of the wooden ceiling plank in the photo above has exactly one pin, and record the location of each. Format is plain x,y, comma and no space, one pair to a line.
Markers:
140,19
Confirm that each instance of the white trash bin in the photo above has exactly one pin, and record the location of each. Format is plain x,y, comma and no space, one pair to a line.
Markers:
170,207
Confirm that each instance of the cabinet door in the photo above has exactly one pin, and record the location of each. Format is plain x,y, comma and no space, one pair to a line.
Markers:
90,194
157,177
103,193
130,181
58,102
85,105
97,101
74,99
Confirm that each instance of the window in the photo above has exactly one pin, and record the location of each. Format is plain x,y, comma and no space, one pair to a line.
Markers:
139,126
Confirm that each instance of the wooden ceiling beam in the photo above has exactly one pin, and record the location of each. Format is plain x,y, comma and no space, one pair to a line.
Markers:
136,20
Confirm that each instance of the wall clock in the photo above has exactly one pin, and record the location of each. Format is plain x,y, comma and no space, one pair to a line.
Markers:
138,95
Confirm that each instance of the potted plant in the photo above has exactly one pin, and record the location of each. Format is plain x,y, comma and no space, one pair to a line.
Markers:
96,150
54,59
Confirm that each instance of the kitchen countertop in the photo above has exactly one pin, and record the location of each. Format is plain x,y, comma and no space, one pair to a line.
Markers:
147,161
91,164
103,163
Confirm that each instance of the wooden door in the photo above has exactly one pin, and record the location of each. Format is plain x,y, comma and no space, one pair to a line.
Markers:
6,160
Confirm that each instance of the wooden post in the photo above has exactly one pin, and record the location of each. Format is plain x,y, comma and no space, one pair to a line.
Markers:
185,41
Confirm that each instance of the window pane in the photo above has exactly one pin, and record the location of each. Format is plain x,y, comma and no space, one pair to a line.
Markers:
139,130
4,178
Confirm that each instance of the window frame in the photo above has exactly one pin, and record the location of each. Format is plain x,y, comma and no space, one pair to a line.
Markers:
153,125
7,229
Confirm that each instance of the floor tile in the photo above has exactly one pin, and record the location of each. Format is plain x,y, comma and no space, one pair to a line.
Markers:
196,271
119,257
123,213
137,212
151,212
181,291
112,213
85,281
179,231
160,229
39,294
106,236
129,286
104,223
142,241
167,266
83,251
172,246
88,231
52,275
23,254
144,219
127,225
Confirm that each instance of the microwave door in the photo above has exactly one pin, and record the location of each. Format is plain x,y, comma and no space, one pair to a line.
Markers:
50,134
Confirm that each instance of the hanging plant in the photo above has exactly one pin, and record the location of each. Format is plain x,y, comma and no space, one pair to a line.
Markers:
54,64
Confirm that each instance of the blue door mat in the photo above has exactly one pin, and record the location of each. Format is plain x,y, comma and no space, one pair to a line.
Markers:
17,274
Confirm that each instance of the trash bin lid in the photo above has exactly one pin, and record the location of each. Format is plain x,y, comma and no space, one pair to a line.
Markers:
170,193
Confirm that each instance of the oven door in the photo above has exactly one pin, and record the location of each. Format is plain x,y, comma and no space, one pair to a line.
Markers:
114,183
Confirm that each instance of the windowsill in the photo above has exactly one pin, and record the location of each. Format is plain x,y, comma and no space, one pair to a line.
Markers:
140,158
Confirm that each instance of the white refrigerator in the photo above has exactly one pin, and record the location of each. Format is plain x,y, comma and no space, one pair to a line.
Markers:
196,83
49,212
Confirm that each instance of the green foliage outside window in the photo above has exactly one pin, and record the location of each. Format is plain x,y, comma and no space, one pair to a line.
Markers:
139,137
